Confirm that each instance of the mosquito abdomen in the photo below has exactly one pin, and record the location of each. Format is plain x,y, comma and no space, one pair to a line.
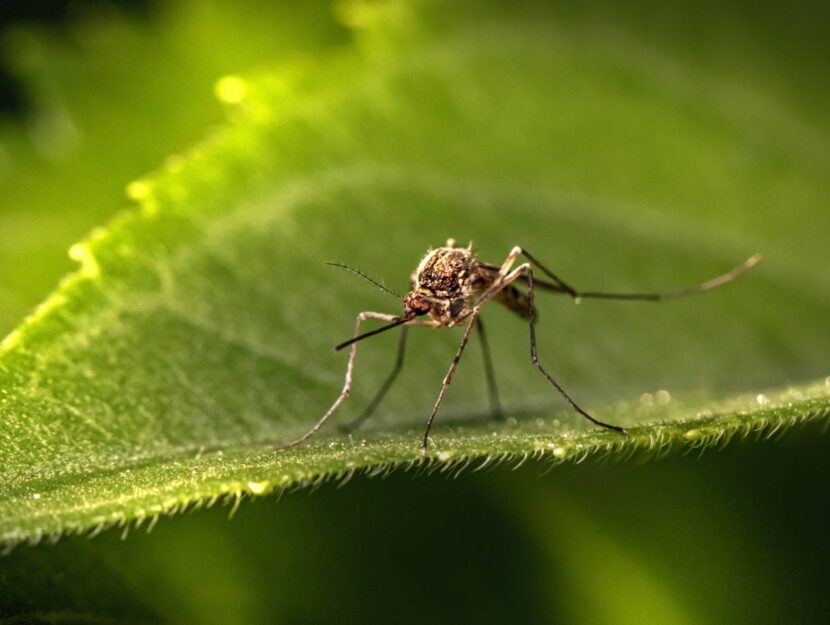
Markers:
515,300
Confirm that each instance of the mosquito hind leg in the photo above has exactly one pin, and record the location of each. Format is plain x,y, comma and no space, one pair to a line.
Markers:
492,387
507,277
534,358
347,383
564,286
560,286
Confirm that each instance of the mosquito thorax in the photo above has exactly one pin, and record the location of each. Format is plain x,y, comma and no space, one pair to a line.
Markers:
446,278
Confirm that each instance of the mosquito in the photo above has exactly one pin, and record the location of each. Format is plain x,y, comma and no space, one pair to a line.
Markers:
450,287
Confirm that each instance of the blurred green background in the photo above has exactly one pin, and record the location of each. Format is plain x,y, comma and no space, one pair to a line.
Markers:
95,94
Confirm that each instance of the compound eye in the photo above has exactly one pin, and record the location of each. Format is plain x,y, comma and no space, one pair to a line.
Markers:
418,304
423,306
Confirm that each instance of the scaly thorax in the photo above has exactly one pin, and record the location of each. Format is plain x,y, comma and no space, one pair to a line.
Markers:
449,278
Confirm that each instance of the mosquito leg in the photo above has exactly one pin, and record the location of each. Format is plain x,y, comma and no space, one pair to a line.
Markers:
347,383
527,270
499,281
448,378
561,286
370,409
564,286
504,270
535,359
492,388
508,262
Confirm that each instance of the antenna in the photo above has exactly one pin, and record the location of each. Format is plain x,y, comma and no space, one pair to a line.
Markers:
358,272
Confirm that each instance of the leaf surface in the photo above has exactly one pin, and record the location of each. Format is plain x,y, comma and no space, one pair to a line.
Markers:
197,332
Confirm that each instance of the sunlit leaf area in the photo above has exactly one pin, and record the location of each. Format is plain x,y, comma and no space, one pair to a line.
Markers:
177,179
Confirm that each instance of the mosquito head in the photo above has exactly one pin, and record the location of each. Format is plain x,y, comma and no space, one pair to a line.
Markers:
416,303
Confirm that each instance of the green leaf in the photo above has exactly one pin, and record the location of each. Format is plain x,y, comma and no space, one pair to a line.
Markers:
198,331
148,82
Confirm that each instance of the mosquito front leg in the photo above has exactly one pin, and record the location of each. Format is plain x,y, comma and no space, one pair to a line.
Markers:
384,389
347,384
370,409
